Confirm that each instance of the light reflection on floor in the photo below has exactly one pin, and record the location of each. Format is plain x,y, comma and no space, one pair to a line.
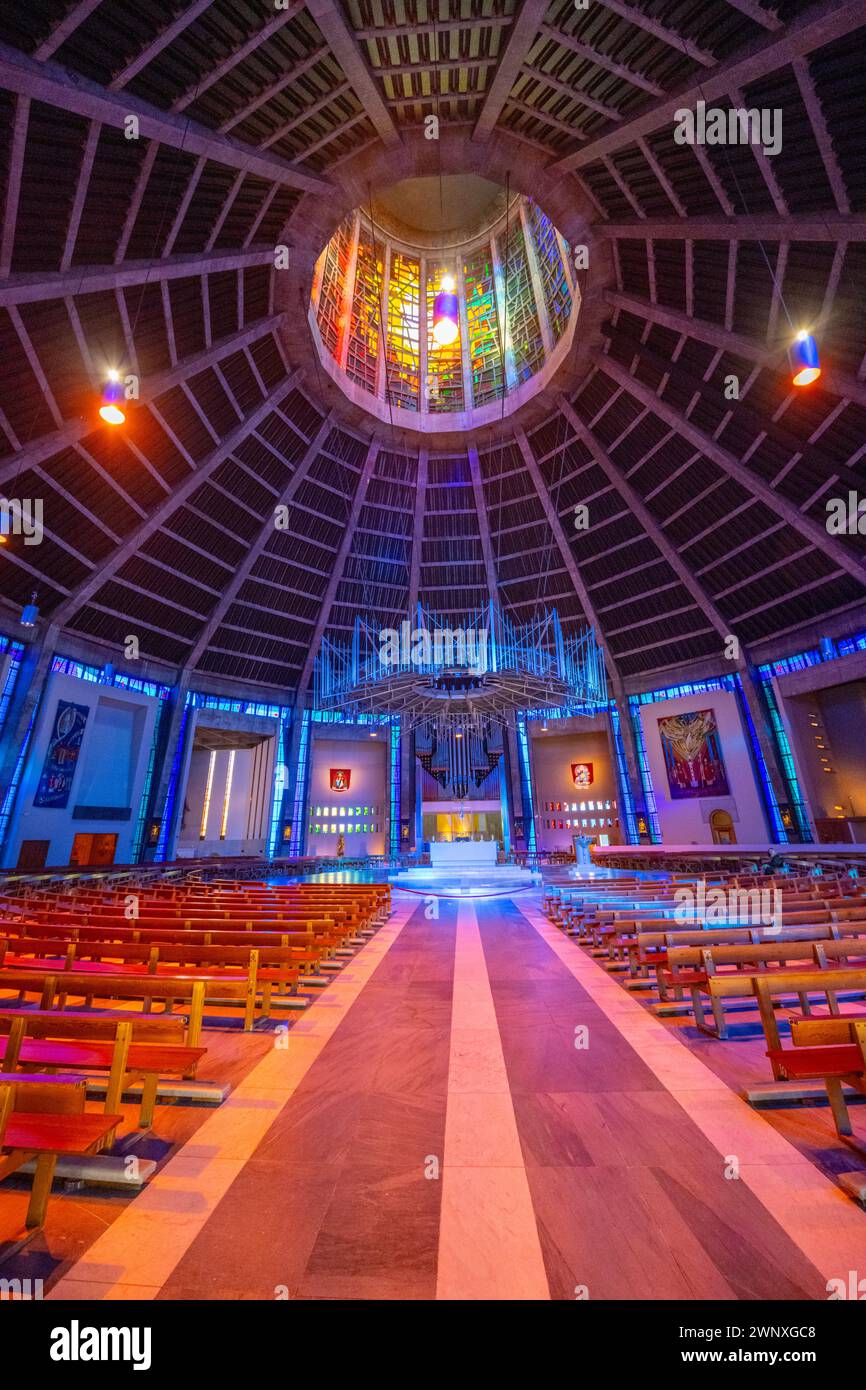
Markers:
503,880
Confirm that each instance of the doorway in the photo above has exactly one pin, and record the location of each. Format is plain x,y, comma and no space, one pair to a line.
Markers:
32,855
93,850
722,827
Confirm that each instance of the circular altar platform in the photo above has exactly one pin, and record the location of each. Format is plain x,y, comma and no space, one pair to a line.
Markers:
488,881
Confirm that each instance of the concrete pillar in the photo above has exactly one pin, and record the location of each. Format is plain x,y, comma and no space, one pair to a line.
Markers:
511,780
299,831
162,772
408,780
29,688
769,749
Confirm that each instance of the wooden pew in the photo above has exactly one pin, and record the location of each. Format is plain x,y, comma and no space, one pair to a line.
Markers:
55,988
697,969
276,964
96,979
652,950
831,1050
42,1120
310,950
47,1040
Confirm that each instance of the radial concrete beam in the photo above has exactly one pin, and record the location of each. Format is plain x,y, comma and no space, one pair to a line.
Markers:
151,388
179,494
523,35
34,287
823,227
804,525
565,550
344,46
839,383
418,531
337,572
483,523
54,85
819,25
242,573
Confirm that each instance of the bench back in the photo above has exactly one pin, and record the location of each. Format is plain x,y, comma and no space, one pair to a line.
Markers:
747,954
823,1032
729,936
828,983
98,1027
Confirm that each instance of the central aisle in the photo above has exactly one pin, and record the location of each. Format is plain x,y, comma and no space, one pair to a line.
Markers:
430,1129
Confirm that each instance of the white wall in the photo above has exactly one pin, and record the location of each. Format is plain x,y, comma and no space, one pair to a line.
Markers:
115,769
246,829
551,756
687,822
367,759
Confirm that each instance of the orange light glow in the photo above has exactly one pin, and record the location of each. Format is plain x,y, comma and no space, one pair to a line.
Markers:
807,376
112,414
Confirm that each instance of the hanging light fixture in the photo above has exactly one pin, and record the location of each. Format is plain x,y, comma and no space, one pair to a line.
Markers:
446,313
805,363
112,394
30,612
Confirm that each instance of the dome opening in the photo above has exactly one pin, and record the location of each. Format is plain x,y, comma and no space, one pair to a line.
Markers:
444,330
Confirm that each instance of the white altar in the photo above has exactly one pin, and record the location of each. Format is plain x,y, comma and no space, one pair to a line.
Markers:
455,855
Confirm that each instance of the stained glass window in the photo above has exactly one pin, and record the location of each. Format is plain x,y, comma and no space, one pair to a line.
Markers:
444,364
363,350
336,263
557,294
497,265
484,348
402,357
523,332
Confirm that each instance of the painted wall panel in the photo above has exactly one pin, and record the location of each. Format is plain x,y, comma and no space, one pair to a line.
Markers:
687,822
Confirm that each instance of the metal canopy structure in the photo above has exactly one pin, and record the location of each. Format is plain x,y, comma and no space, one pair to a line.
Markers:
152,248
480,666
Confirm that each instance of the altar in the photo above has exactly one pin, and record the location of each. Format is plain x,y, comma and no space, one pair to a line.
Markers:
455,855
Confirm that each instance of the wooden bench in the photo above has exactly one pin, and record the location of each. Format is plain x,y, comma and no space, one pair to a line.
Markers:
276,964
135,982
315,935
42,1120
56,987
62,1043
830,1050
650,951
697,970
337,924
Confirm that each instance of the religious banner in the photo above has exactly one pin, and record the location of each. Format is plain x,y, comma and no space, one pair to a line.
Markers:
582,774
61,757
340,779
693,755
